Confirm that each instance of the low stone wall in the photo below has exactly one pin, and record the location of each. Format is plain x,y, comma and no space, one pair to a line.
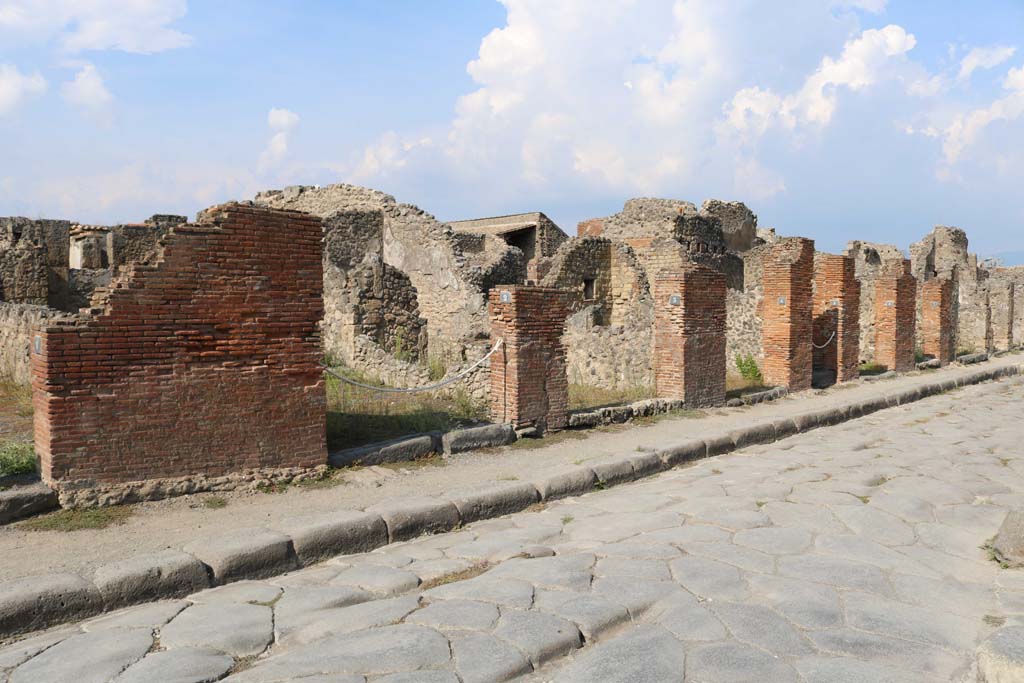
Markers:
16,324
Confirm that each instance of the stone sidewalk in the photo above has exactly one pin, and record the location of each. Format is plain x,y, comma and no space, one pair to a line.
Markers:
175,523
852,553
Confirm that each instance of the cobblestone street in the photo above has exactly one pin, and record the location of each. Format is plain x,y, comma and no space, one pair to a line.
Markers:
853,553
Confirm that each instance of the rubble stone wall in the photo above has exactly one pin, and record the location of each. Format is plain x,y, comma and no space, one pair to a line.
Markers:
204,363
870,260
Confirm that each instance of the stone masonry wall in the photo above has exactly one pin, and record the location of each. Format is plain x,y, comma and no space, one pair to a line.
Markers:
895,318
938,328
689,336
204,363
34,258
529,386
836,316
869,261
17,325
1001,302
787,311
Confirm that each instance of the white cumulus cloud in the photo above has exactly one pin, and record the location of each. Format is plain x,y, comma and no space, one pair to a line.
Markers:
983,58
967,128
141,26
862,63
88,92
15,87
281,122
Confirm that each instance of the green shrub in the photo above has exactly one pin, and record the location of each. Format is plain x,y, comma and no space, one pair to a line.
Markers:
747,365
17,457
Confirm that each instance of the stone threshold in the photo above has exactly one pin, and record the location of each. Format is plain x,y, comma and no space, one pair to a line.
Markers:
39,602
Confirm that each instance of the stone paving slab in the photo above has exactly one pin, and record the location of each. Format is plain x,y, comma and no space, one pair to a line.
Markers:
851,553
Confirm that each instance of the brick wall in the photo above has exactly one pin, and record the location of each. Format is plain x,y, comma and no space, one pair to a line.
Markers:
689,336
203,363
787,311
836,316
895,318
529,386
937,324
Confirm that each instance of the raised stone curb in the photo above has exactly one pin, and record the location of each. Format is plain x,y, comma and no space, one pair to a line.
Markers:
341,533
473,438
495,502
24,501
167,574
415,517
39,602
245,554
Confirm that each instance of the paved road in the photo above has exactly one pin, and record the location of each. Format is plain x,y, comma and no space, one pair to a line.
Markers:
847,554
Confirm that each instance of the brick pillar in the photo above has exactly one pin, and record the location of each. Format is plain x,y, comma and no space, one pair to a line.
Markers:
529,384
895,318
836,316
787,313
689,336
1001,294
937,324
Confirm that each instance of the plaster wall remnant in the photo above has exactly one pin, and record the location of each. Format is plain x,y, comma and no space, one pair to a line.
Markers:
529,385
895,317
202,363
836,316
937,324
689,336
787,311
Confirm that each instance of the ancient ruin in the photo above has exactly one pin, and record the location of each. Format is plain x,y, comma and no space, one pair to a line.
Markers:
146,342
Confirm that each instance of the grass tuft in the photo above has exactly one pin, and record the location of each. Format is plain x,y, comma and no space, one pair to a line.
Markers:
215,502
78,520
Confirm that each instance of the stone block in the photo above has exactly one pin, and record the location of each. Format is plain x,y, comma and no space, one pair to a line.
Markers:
785,427
398,450
1009,541
717,445
808,421
613,471
1001,657
646,464
686,452
573,482
245,554
37,602
583,420
338,533
753,435
487,436
972,358
155,576
495,502
23,501
417,516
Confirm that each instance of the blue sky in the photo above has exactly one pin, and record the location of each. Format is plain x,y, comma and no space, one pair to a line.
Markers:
838,120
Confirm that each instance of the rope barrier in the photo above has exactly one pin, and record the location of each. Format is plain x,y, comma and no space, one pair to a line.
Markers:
413,390
825,344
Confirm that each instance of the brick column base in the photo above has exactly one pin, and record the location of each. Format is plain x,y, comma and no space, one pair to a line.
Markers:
787,313
689,336
896,319
937,325
529,384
